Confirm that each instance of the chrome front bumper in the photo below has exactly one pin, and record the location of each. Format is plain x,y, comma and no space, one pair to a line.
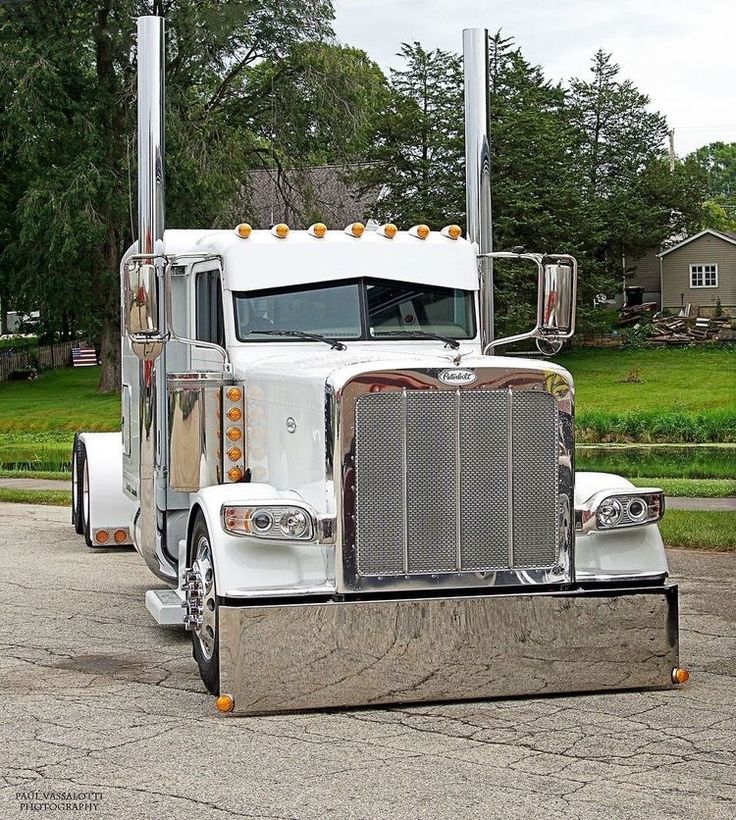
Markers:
291,657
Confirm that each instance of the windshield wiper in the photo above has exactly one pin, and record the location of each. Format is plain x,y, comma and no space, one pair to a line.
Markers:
315,337
426,334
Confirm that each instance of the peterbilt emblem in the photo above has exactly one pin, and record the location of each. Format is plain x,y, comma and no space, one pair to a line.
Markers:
457,376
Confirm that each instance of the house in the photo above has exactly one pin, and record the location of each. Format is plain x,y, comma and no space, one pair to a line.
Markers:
701,271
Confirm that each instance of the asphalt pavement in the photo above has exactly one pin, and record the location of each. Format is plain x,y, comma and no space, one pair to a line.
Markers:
103,713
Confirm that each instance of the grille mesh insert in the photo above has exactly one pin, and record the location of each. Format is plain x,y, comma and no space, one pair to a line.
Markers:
451,481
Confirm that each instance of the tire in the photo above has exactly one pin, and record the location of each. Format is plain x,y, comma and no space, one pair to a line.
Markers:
84,496
76,486
205,638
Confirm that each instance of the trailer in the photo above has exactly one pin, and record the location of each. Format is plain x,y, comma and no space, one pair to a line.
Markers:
350,497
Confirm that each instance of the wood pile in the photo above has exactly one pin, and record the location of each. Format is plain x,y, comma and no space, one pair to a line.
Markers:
675,330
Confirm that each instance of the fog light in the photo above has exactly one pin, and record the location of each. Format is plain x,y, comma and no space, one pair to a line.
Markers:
225,704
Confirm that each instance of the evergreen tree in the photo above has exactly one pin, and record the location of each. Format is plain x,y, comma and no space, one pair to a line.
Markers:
68,118
417,151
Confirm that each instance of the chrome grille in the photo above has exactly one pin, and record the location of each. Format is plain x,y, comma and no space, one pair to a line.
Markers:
455,481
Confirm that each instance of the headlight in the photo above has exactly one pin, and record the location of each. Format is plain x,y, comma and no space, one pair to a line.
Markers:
280,522
613,509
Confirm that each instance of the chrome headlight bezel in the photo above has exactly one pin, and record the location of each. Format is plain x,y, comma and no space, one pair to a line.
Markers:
277,520
622,508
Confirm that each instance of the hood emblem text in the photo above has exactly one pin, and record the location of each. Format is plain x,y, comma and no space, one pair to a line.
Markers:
457,376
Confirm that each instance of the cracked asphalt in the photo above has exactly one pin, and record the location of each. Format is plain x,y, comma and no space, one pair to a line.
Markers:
95,698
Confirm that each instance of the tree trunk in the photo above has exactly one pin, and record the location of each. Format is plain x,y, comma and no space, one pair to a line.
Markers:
110,356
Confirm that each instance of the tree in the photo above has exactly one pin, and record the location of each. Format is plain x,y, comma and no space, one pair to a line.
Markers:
68,119
417,149
717,165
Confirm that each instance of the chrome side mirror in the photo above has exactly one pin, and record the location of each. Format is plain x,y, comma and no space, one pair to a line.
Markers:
557,277
557,314
141,309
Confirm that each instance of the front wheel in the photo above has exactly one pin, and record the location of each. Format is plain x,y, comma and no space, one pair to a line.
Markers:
205,646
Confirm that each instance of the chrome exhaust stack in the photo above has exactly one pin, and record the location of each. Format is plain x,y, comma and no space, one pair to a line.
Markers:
143,305
478,168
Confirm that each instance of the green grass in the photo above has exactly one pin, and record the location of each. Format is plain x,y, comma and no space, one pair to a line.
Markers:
689,379
29,453
699,530
51,475
50,498
669,462
691,487
61,401
684,395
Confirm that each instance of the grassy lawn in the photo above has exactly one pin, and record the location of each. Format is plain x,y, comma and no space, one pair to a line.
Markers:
692,379
61,401
683,395
51,498
691,487
699,529
38,419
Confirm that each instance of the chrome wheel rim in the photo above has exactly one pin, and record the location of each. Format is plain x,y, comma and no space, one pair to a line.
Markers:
202,566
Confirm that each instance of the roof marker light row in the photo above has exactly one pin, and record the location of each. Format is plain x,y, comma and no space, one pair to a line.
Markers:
319,230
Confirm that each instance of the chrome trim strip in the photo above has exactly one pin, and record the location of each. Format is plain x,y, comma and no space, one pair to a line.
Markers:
458,487
510,473
405,473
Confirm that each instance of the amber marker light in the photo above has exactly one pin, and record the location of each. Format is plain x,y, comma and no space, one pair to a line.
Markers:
355,229
244,230
680,675
225,704
234,453
280,231
420,231
234,414
102,536
235,474
452,231
234,393
234,433
318,230
389,230
120,536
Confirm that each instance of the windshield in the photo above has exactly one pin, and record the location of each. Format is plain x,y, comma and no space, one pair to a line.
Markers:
358,309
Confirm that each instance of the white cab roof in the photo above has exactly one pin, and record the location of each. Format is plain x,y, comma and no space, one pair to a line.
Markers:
263,261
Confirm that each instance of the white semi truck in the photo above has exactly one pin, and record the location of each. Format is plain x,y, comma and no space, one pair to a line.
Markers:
350,497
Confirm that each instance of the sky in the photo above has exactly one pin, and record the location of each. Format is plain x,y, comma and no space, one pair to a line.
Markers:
681,53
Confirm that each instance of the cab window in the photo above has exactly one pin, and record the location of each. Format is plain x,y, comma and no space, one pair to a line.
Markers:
210,324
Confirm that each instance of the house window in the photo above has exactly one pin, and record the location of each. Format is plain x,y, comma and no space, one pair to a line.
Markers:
703,276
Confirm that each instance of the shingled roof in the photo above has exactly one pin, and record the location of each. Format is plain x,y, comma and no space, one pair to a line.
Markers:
302,196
